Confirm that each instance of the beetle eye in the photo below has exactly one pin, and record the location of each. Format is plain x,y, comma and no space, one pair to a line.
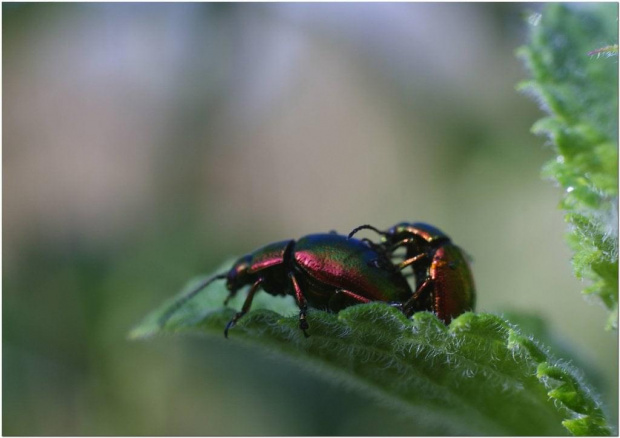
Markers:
374,263
381,264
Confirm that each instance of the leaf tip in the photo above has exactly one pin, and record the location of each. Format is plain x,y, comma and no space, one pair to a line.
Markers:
141,332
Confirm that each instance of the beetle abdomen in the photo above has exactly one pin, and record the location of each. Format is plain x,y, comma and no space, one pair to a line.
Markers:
351,265
450,272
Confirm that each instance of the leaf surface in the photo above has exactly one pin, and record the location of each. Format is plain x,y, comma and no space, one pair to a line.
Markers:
480,375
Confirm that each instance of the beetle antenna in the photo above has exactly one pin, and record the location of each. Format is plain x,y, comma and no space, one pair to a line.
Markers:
365,227
184,299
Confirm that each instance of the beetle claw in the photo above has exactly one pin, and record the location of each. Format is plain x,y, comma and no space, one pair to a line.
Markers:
230,324
303,324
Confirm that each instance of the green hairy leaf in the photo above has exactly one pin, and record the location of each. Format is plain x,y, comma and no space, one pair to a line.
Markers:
572,59
480,375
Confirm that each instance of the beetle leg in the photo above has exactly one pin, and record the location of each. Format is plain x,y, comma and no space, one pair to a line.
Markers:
289,260
353,295
342,298
409,306
411,261
400,243
301,302
231,294
246,306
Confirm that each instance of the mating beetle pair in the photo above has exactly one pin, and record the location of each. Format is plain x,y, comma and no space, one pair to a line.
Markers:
444,282
331,272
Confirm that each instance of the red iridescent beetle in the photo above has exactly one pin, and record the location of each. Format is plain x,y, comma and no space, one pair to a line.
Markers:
323,271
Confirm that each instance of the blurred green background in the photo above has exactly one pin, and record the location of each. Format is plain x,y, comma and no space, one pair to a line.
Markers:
144,144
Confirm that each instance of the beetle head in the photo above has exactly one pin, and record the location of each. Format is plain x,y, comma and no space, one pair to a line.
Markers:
239,275
397,232
421,234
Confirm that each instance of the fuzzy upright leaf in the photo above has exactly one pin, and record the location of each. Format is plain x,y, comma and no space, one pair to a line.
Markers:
579,91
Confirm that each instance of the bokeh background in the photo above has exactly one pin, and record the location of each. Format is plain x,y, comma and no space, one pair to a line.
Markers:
144,144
